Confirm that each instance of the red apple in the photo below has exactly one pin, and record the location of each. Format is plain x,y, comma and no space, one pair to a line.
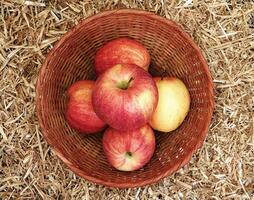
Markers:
125,97
80,114
130,150
122,50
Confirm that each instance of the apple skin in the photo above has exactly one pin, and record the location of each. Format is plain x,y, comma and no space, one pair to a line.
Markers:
122,50
173,105
80,114
130,150
129,108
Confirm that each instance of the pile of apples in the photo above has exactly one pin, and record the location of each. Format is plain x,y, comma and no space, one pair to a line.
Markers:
128,103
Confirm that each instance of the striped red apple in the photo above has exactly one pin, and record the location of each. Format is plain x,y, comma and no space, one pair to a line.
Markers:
125,97
122,50
80,114
129,150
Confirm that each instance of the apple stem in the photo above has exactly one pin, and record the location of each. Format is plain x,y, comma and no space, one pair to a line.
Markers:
131,79
124,85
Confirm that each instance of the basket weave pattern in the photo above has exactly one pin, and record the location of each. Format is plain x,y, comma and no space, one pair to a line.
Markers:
173,53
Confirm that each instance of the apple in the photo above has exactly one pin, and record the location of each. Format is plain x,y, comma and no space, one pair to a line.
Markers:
122,50
80,114
125,97
129,150
173,104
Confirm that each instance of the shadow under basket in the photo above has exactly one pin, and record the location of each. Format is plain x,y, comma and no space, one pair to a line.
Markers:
173,53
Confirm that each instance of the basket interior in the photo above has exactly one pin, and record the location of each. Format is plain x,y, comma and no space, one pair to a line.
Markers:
73,59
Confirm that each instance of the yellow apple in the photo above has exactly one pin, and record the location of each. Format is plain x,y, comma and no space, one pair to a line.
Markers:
173,104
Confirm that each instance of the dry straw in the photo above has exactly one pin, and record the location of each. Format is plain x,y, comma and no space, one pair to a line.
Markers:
222,169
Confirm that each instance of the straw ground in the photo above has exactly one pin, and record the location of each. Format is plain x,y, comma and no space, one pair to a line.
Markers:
222,169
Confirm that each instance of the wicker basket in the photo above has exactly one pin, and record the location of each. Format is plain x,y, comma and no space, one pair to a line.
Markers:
173,53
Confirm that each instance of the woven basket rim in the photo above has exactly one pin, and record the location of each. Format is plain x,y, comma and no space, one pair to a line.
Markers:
39,86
